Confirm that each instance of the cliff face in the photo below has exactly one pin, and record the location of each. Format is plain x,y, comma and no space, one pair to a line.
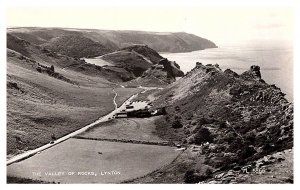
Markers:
235,119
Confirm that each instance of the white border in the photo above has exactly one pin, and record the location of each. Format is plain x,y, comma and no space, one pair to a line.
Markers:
7,3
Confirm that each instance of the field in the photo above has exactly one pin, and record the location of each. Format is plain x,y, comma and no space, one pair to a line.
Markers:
41,107
125,93
139,129
120,161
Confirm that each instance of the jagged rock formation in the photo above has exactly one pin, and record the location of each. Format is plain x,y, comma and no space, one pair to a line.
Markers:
144,64
233,119
172,68
160,74
253,73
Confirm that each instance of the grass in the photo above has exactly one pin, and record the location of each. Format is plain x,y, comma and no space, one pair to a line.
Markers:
141,129
149,95
125,93
129,60
129,160
44,106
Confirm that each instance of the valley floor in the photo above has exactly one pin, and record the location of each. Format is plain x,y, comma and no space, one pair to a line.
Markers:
126,153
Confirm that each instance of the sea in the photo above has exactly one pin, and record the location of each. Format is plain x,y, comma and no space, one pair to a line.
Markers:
276,62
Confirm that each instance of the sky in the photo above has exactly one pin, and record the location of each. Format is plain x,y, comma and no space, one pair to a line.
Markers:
223,25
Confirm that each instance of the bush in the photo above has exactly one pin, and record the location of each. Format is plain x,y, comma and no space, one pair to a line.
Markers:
177,124
190,177
250,137
229,137
200,174
203,136
39,69
247,152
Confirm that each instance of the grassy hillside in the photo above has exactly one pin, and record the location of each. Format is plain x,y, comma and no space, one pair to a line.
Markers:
128,60
113,40
146,52
43,104
65,64
76,46
161,42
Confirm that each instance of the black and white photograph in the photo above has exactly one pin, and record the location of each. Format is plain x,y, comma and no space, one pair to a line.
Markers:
162,93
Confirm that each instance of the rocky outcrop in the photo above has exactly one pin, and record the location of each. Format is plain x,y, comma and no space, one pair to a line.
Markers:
274,168
244,117
146,65
135,60
252,74
163,73
146,52
171,68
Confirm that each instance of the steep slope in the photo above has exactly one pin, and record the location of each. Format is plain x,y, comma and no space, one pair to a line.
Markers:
113,40
146,52
76,46
18,45
127,63
130,61
227,122
146,66
50,95
160,74
161,42
47,57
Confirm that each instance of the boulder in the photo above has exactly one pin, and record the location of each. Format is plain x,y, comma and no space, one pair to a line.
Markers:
252,74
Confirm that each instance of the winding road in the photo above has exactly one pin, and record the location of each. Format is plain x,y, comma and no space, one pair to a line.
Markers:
114,99
64,138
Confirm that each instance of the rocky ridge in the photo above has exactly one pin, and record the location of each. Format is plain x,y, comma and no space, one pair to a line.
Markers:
233,120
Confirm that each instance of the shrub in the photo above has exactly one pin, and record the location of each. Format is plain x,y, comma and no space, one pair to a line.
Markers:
198,174
229,137
39,69
190,177
247,151
250,137
203,136
177,117
177,124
